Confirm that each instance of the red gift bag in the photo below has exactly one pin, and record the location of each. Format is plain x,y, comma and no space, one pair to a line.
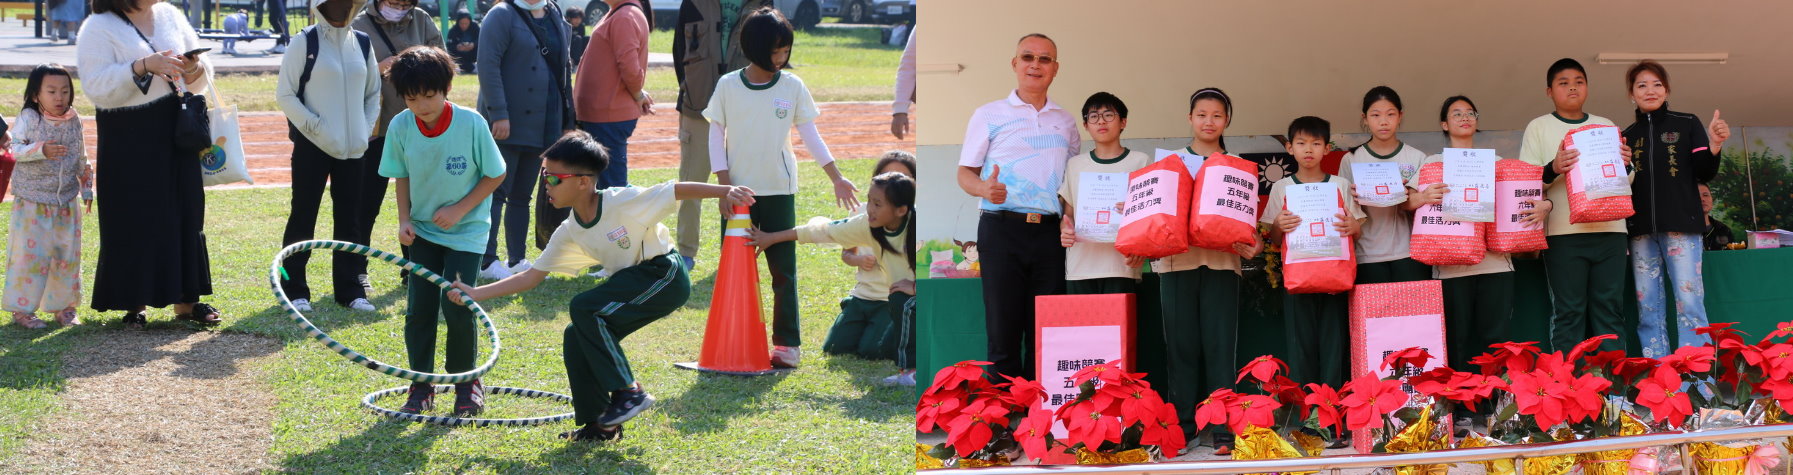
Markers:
1320,275
1515,182
1584,210
1155,222
1441,242
1386,318
6,163
1226,204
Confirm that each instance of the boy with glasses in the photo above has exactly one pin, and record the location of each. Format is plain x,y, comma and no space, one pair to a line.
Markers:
1092,265
619,228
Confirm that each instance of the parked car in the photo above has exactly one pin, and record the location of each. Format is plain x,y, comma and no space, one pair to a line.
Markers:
869,11
666,12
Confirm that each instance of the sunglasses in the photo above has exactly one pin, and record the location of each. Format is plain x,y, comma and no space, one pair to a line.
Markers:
1032,58
555,179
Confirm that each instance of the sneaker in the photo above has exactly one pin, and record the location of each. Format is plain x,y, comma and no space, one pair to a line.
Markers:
593,433
277,49
421,400
303,305
625,405
521,267
495,271
906,378
690,263
600,273
785,356
469,398
67,318
362,305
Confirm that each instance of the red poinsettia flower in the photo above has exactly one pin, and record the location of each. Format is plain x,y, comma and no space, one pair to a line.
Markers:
1087,424
1287,392
1690,359
1138,403
1109,372
1661,392
1370,399
1538,397
1631,368
1515,356
1411,356
1779,389
970,431
1720,331
1554,366
1262,369
1033,433
1324,401
1603,360
1023,393
1164,432
1776,360
1251,410
952,376
1473,388
1781,329
938,408
1212,411
1584,397
1588,345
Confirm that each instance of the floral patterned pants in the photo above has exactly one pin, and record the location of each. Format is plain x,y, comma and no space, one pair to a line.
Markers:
1676,256
43,257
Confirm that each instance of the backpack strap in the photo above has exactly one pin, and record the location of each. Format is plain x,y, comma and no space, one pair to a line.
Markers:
367,46
311,58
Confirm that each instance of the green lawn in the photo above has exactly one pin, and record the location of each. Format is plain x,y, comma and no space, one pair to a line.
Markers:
838,64
829,416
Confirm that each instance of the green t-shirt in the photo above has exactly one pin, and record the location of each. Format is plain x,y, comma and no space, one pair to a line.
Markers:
442,170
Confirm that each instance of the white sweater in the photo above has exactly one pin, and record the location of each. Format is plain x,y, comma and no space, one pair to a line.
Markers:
342,100
108,45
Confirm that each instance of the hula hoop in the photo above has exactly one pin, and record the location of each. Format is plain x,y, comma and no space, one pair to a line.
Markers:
368,402
274,277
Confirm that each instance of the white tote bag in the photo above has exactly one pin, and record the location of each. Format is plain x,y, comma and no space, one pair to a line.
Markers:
223,162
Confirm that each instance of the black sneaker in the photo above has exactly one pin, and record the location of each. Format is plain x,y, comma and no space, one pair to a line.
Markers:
421,400
469,398
592,433
625,405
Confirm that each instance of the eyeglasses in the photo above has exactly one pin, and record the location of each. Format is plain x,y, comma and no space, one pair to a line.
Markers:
401,3
555,179
1464,115
1043,60
1098,117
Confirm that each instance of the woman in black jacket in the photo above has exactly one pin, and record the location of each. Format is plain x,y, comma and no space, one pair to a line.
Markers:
1673,157
463,41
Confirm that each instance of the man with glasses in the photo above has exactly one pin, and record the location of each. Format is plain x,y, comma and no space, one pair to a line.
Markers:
1013,159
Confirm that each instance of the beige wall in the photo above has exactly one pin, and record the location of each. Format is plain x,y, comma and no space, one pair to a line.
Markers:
1283,59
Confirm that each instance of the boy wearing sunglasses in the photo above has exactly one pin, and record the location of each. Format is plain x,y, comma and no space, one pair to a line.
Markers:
620,228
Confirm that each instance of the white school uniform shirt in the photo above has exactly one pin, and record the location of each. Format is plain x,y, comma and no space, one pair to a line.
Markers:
1389,230
627,231
1031,146
758,119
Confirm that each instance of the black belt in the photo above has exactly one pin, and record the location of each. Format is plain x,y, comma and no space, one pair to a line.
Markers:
1034,218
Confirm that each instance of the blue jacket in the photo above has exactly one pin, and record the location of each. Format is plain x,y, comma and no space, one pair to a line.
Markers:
516,84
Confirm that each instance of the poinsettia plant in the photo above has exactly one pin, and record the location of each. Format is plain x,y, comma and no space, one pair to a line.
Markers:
1114,411
976,414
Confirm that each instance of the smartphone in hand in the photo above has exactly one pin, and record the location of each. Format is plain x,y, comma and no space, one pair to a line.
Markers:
195,53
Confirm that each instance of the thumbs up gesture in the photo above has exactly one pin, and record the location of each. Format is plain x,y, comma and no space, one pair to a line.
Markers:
1717,132
994,190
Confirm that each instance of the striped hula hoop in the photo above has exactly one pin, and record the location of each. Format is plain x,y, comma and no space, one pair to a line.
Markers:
274,278
368,402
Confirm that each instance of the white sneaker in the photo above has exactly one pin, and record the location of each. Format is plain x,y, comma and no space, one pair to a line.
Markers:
366,306
277,49
521,267
302,304
906,378
495,271
786,356
601,273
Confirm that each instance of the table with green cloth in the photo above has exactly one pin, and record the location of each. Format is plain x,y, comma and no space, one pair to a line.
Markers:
1740,287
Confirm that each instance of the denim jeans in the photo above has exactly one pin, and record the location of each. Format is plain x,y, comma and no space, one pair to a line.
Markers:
1676,256
615,138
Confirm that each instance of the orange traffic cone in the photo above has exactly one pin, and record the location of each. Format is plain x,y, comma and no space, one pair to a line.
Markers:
735,337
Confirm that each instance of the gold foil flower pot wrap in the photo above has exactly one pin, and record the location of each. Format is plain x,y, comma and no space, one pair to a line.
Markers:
1615,462
1310,445
1493,467
923,461
1257,443
1420,436
1711,458
999,461
1087,457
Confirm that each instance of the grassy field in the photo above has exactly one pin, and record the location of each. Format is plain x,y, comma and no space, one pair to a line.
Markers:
829,416
838,64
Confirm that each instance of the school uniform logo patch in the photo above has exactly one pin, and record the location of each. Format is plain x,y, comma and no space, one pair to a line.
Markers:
781,107
1671,137
620,236
455,165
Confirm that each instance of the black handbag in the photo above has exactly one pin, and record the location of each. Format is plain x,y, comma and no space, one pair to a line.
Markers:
192,127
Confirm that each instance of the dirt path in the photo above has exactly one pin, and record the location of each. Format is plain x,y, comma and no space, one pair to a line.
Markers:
852,130
159,401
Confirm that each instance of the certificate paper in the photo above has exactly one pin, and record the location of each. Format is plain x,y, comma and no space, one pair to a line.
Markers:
1470,175
1379,184
1318,206
1601,168
1100,197
1190,160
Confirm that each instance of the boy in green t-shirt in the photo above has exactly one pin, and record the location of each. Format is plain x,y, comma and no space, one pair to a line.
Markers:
447,152
620,228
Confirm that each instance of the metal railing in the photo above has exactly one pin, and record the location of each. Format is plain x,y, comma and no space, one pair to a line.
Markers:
1516,453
